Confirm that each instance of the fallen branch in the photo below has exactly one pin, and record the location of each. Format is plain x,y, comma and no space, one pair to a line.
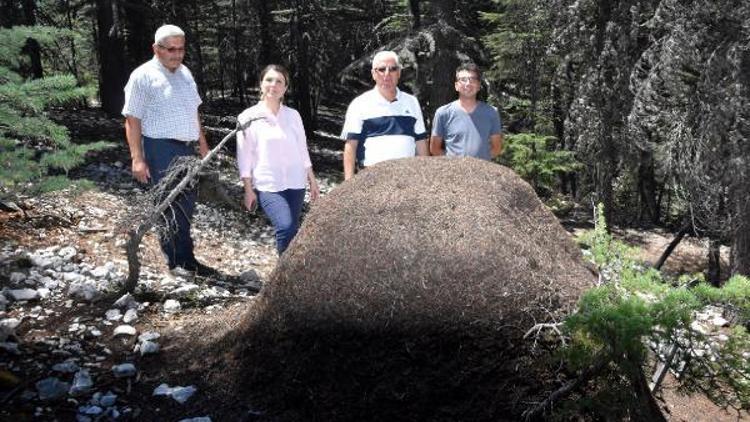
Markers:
601,360
136,234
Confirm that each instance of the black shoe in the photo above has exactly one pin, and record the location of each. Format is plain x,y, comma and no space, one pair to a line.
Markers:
202,270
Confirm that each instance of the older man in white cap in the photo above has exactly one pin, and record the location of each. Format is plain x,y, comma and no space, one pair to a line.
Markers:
161,124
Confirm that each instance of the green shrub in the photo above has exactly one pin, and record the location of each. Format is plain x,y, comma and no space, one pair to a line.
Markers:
534,158
33,149
635,307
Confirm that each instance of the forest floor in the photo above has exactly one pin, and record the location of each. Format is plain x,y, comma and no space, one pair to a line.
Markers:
65,253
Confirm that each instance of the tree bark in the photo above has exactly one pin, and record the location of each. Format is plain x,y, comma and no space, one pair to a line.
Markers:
647,188
714,263
113,74
740,256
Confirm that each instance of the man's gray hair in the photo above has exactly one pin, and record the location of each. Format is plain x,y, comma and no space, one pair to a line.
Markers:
381,56
166,31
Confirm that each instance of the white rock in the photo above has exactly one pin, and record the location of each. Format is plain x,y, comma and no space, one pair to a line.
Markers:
149,348
124,370
72,277
43,292
148,336
113,315
86,290
22,294
17,278
126,301
125,330
100,272
67,253
179,394
171,305
697,326
130,316
8,328
184,290
82,382
719,321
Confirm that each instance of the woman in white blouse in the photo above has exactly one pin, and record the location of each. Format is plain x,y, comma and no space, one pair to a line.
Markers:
272,157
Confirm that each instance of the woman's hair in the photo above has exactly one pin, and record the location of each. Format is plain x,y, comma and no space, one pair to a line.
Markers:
278,68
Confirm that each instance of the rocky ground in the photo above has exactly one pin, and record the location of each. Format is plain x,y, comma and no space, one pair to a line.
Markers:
73,348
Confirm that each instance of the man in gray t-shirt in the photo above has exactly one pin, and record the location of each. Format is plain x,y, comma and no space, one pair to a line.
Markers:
467,127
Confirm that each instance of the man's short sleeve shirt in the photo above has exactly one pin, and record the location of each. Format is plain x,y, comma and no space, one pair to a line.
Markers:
467,134
385,129
165,102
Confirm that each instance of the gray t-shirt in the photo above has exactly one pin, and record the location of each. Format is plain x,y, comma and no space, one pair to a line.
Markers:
466,134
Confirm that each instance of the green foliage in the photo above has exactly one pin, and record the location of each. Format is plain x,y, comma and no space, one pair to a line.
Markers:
634,306
33,147
534,158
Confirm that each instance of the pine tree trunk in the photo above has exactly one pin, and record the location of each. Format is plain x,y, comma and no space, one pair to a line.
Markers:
113,73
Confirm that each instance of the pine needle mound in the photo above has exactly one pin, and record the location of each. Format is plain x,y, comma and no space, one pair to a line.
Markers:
412,285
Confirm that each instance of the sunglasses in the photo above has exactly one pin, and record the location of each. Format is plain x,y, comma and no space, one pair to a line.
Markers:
382,69
172,49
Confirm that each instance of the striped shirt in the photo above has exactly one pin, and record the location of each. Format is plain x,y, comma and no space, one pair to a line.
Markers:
385,129
165,102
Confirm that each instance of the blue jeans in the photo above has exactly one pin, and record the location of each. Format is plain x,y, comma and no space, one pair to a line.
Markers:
176,244
283,209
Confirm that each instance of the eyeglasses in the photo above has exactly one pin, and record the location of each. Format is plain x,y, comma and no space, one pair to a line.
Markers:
467,79
382,69
172,49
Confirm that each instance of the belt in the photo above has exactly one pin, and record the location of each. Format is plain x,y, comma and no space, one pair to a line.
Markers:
180,141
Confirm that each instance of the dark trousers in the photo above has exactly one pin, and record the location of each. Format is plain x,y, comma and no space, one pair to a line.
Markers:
176,242
283,209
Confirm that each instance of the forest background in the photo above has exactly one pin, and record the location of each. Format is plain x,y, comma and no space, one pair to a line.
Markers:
640,105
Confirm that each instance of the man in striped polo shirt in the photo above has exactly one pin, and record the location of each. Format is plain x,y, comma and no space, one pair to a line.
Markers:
161,124
383,123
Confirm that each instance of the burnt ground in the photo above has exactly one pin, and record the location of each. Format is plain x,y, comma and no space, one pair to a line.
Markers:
227,238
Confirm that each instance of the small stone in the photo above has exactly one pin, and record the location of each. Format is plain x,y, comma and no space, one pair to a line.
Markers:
22,294
125,330
3,302
126,301
90,410
82,382
130,316
149,348
8,328
198,419
108,399
148,336
17,278
52,388
67,253
124,370
43,292
719,321
67,367
698,327
86,290
113,315
11,348
100,272
171,305
179,394
184,290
